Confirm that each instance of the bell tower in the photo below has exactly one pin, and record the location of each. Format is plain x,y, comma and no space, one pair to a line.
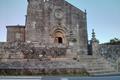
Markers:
35,24
42,16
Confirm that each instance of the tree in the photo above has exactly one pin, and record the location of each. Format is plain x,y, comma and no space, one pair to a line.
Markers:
115,41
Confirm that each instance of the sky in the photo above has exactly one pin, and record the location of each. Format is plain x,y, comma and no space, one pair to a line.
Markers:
102,15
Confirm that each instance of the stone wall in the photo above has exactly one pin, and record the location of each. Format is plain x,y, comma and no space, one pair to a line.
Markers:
44,72
35,59
110,52
22,50
8,51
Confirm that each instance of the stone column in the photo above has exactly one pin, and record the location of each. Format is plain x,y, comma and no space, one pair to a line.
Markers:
94,44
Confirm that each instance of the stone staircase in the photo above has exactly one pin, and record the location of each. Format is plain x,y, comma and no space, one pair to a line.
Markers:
96,65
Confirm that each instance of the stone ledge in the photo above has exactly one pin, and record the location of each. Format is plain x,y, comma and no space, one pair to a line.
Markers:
36,64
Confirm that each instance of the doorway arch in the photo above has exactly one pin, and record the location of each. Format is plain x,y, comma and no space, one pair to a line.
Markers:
59,37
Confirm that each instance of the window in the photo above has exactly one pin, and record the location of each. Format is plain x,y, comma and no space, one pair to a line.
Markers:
17,35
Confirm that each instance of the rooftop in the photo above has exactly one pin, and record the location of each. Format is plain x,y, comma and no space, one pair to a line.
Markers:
16,26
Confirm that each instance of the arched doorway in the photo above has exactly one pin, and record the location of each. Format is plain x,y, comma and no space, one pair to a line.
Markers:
59,37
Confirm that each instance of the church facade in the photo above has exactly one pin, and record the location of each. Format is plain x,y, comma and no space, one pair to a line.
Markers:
54,23
54,40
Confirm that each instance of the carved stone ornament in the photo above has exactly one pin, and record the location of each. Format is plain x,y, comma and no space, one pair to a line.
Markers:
59,14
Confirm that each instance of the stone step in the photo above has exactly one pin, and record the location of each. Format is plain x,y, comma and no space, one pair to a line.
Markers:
60,59
101,66
93,65
89,57
104,70
98,69
90,60
95,72
96,65
43,64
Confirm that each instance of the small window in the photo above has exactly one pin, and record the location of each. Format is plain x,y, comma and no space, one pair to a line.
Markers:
17,35
33,24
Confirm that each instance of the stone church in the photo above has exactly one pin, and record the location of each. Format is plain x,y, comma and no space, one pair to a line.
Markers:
54,23
54,40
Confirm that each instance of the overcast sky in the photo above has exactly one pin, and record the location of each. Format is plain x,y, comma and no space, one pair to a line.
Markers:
103,16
